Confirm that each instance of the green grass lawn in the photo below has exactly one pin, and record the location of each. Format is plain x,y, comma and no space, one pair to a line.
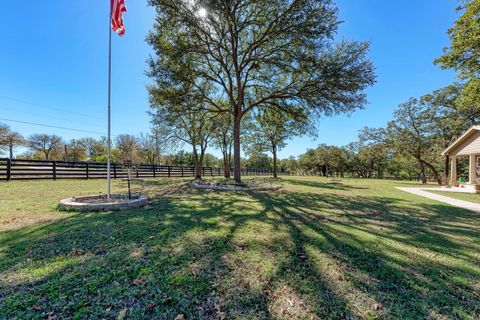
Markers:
312,250
471,197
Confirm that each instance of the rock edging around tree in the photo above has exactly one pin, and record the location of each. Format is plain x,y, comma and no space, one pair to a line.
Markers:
264,186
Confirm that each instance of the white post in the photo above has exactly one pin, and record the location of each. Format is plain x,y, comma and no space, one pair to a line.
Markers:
472,172
453,169
109,86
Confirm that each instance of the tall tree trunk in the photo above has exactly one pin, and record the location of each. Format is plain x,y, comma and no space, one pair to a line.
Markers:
275,166
229,159
199,166
226,157
423,176
237,175
198,170
226,164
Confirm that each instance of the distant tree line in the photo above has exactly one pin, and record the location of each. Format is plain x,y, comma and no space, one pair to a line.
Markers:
409,146
157,147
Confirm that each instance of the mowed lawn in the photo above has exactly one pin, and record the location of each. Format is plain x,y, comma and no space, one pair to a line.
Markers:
312,250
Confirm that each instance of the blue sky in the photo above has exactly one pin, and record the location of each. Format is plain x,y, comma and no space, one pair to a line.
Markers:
53,64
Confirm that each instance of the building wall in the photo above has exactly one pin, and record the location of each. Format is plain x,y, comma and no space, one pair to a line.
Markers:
471,145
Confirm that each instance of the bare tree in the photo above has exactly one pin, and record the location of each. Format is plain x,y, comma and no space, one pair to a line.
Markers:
93,147
44,144
74,151
10,139
193,128
128,147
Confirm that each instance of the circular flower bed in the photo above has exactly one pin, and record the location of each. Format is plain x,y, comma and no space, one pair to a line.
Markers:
102,203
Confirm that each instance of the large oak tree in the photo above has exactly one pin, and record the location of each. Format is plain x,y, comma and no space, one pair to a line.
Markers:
254,53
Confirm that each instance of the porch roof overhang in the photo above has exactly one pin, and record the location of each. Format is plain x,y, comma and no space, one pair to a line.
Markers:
462,141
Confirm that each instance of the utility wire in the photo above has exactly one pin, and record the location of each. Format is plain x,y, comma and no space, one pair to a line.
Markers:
48,107
50,126
39,114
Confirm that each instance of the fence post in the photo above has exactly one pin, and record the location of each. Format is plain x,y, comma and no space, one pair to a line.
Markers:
169,168
54,164
114,171
182,171
9,169
154,171
87,171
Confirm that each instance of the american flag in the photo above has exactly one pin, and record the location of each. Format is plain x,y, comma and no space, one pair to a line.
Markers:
118,7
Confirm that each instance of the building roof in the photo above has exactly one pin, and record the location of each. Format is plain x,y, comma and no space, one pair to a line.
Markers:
461,139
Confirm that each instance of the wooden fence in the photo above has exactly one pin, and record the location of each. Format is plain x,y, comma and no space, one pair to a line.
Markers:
20,169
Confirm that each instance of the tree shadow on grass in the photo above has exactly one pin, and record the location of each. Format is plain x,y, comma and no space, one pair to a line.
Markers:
322,185
105,262
211,255
356,237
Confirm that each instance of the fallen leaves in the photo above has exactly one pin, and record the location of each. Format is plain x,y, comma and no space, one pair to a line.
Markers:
139,281
150,306
36,307
78,252
377,306
218,311
302,256
122,314
180,317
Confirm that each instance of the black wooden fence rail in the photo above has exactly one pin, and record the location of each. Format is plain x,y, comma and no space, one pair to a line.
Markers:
20,169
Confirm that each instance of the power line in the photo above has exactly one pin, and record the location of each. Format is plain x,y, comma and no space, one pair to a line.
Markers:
38,114
48,107
51,126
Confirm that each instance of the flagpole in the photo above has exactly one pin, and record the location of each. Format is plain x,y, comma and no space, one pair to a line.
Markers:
109,93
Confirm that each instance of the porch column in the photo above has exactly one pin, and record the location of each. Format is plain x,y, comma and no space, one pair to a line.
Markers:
472,171
453,168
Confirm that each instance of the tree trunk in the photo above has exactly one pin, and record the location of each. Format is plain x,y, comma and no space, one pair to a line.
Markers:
199,166
423,176
275,166
435,172
198,169
229,160
237,175
226,164
446,170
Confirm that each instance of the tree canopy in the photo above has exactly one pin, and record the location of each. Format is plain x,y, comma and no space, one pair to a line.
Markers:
254,53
